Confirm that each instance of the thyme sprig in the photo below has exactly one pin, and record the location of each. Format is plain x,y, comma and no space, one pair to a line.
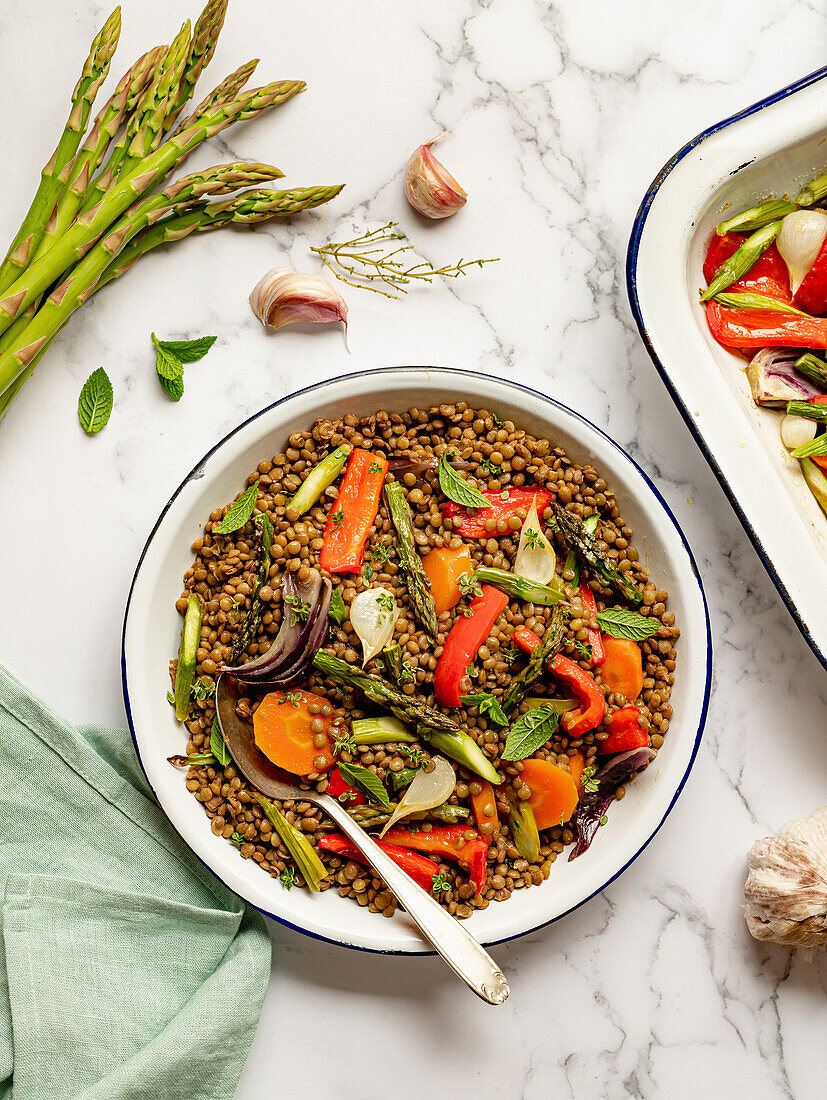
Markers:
371,258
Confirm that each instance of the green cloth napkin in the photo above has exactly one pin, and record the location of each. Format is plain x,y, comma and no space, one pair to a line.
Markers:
127,971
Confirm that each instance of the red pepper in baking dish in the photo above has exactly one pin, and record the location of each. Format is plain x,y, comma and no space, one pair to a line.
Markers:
525,639
811,296
504,505
450,842
421,870
336,787
625,732
466,636
595,637
756,328
768,275
354,513
585,689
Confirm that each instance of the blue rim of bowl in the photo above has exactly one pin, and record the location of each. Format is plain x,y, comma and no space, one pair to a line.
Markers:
557,404
634,301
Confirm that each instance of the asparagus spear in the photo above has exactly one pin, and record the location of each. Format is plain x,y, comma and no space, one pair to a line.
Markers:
89,226
250,626
813,368
145,127
368,816
202,47
757,217
391,661
540,655
585,545
523,828
419,587
185,670
813,192
741,260
809,410
120,105
76,288
520,587
405,707
250,208
226,91
54,175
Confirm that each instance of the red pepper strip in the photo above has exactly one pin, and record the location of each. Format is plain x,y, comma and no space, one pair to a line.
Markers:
354,513
336,786
755,328
467,635
504,505
625,732
811,296
443,841
768,275
420,869
595,637
589,714
525,639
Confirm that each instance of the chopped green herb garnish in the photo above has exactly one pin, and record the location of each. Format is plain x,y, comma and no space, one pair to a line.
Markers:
337,610
301,608
441,882
237,838
587,780
469,585
203,689
533,538
488,704
294,697
344,742
288,878
337,519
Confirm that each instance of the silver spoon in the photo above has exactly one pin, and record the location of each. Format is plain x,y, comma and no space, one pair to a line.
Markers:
459,949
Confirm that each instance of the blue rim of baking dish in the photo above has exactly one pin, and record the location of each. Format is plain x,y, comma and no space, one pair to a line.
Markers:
634,301
196,472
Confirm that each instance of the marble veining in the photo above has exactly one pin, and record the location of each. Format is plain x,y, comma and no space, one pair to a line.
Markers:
560,115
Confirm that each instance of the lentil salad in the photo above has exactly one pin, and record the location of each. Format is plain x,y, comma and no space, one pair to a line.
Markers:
493,833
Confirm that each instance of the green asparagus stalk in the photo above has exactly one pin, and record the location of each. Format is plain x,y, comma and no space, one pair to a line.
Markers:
572,562
741,260
813,192
523,828
419,587
519,587
193,759
549,646
226,92
390,659
106,125
144,128
585,545
405,707
250,208
202,47
185,670
54,176
757,216
808,409
462,748
403,778
380,731
370,816
304,854
816,481
77,287
815,447
322,475
813,368
756,301
89,226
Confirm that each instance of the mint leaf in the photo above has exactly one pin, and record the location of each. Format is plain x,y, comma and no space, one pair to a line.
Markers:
456,488
488,705
530,732
166,364
174,387
185,351
337,610
218,746
620,622
239,512
366,781
95,402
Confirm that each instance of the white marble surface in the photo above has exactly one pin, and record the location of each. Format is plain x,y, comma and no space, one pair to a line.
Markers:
561,116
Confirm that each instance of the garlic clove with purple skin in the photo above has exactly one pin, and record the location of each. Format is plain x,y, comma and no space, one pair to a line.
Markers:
429,186
786,890
286,297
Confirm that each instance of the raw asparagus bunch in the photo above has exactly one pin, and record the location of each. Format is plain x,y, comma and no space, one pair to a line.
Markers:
95,213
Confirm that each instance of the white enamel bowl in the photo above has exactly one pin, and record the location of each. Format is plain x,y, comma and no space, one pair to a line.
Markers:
773,147
152,631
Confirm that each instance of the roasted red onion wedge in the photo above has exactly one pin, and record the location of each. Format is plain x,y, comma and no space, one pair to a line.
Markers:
592,808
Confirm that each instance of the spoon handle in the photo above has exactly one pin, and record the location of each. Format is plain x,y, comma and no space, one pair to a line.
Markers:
467,958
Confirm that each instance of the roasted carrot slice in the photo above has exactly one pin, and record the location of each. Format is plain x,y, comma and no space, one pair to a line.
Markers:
622,671
485,808
282,727
554,794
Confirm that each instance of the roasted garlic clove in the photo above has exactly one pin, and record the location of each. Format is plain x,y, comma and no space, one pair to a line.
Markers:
429,186
786,890
286,297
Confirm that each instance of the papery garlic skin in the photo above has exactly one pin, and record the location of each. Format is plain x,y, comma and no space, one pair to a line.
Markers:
286,297
429,186
786,890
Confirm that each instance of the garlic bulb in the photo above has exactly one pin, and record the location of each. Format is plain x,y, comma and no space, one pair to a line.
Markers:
786,890
535,554
797,430
428,789
285,297
799,242
373,615
429,186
